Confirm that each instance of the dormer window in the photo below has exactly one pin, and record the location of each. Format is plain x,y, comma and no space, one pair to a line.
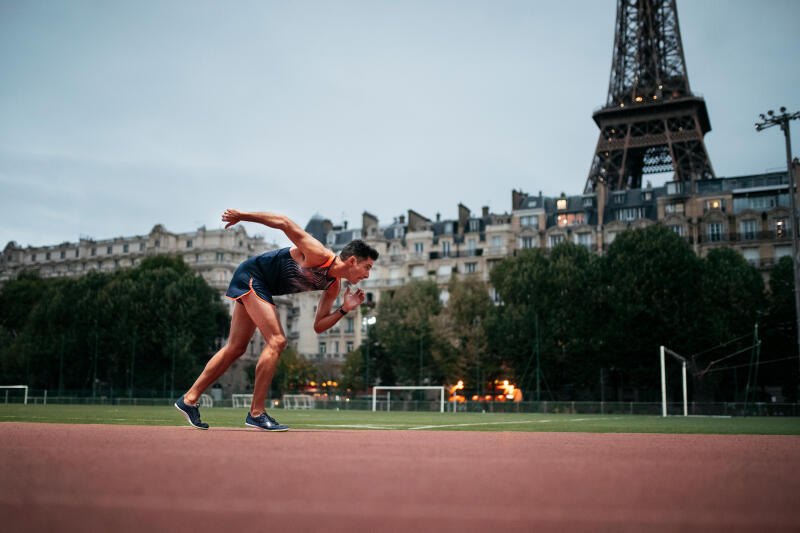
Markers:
619,199
561,204
474,226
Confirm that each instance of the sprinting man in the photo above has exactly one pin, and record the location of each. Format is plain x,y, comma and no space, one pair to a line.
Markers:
306,266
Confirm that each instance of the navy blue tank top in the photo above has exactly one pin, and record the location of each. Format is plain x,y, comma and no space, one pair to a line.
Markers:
282,275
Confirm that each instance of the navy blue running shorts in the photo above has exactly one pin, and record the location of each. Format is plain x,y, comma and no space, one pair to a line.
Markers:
247,279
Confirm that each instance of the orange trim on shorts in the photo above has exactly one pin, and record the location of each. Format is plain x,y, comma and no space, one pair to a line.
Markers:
239,298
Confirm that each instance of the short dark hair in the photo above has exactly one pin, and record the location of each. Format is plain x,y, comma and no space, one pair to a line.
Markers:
360,250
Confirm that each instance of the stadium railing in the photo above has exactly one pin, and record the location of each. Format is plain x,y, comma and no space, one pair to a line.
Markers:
156,398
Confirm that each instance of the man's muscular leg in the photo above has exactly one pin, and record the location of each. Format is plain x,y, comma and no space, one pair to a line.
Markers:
242,328
268,323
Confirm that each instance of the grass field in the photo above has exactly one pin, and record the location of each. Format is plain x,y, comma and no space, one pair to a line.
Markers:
367,420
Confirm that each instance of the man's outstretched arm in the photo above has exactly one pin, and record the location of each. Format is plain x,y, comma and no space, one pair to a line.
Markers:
314,253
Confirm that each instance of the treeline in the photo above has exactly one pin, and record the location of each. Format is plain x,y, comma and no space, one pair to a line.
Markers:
586,327
152,327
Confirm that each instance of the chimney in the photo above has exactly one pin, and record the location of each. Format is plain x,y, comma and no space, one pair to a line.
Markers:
485,211
463,216
516,198
438,217
402,219
344,224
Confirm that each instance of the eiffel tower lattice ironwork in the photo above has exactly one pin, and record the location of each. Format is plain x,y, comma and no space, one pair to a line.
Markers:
652,122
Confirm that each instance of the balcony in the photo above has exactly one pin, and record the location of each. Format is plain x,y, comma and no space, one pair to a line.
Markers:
783,235
477,252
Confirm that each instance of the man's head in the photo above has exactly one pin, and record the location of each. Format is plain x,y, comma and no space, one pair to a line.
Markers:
358,256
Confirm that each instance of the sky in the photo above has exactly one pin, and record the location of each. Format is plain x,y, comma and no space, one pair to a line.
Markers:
118,115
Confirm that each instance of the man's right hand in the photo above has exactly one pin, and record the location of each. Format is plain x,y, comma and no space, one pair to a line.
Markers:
231,217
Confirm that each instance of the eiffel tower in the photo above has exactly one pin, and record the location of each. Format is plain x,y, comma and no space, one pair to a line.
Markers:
652,122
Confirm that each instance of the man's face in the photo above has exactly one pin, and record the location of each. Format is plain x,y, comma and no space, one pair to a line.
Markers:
359,269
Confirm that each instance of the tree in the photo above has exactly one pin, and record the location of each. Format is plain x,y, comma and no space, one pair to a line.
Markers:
404,329
650,280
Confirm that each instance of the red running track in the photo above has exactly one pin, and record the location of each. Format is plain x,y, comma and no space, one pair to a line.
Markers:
92,478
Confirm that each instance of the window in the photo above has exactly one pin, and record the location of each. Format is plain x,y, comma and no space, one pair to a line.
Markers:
782,251
157,244
748,229
444,270
33,257
471,246
349,325
470,268
63,254
47,256
751,256
630,213
418,247
526,242
554,240
781,227
349,346
619,199
116,263
647,196
529,220
125,248
448,227
322,348
676,187
196,258
77,252
418,271
570,219
588,202
677,228
474,226
336,347
714,231
445,249
395,250
93,252
109,250
584,239
497,241
398,232
561,204
189,243
220,256
676,208
715,203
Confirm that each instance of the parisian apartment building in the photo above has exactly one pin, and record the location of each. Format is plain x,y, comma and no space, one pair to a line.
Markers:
750,214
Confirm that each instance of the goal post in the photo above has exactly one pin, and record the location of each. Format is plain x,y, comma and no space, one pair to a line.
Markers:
23,388
375,390
297,401
663,351
241,400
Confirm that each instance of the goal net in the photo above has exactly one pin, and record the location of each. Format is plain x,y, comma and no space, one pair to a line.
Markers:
297,401
663,352
241,400
389,390
14,393
206,400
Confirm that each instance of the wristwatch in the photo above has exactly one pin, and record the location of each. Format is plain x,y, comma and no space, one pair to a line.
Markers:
342,311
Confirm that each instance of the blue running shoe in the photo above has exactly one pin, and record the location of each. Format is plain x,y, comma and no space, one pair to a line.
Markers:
265,422
191,412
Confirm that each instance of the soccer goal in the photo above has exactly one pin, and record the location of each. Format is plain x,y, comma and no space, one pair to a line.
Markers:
241,400
389,394
206,400
664,350
297,401
15,391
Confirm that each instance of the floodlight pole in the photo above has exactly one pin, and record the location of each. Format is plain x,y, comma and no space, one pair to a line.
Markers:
782,120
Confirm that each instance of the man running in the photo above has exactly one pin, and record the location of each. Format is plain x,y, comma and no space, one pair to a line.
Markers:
306,266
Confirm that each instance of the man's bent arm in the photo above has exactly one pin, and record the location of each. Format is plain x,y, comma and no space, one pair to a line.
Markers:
314,253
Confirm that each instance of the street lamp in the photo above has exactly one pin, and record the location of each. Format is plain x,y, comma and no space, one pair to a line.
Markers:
782,120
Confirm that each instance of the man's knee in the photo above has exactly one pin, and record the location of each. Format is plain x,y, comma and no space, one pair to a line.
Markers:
278,343
236,350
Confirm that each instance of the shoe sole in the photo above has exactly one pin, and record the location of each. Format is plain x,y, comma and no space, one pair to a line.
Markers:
265,429
188,419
